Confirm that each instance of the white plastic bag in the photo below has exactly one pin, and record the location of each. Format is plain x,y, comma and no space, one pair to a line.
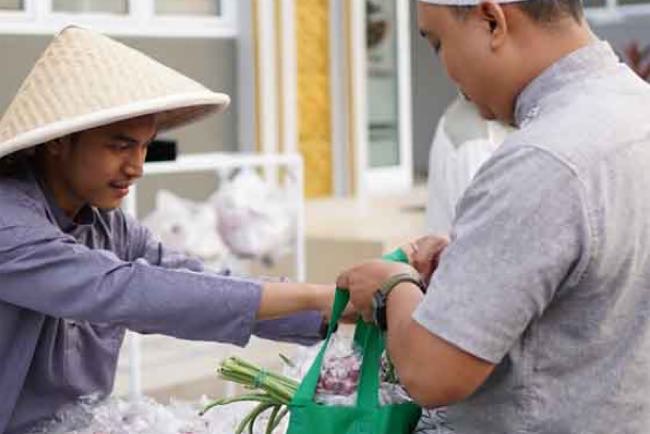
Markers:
340,374
187,226
146,416
256,220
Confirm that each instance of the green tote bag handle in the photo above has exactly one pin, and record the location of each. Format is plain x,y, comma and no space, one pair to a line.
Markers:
367,336
367,416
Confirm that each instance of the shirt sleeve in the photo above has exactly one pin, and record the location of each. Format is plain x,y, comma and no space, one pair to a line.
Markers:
142,243
45,270
302,328
521,233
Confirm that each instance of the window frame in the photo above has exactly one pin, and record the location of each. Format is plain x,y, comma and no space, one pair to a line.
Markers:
38,17
613,11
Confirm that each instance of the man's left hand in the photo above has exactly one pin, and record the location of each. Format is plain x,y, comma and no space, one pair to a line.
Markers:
424,254
365,279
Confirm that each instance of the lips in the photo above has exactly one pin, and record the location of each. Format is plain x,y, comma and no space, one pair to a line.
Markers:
122,188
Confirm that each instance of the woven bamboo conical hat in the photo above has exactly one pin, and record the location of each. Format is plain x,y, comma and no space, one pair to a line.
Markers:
84,80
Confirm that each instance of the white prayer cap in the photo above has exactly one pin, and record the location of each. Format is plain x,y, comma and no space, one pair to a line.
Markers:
464,2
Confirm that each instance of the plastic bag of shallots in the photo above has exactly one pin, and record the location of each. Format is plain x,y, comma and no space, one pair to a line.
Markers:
340,372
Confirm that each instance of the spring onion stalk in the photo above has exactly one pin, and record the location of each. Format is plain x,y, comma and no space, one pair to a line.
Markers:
270,390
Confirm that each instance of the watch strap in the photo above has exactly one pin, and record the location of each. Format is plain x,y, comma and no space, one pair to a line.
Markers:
381,295
396,279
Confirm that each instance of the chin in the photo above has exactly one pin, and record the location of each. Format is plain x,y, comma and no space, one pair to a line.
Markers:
108,208
487,114
107,205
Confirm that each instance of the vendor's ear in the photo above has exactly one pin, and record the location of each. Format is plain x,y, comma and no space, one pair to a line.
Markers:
494,19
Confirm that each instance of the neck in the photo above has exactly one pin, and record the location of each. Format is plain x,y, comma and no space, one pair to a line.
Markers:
550,44
54,180
554,44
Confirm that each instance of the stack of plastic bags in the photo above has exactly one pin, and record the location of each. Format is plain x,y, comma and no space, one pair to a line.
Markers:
246,218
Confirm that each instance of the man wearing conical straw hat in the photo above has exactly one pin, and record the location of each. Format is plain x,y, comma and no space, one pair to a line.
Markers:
537,316
75,272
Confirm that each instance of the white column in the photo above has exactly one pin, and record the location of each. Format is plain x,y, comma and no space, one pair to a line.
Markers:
289,76
340,109
267,77
246,77
404,95
359,93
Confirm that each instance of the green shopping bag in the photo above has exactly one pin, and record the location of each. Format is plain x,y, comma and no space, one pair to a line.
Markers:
367,417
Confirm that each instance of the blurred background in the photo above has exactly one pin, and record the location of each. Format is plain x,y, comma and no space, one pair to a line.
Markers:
334,105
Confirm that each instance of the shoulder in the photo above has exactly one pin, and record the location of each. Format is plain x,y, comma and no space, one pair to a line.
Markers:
515,165
590,121
21,201
524,186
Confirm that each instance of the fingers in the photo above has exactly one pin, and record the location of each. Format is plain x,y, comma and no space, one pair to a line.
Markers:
360,289
350,315
343,280
361,271
426,259
365,279
432,242
363,306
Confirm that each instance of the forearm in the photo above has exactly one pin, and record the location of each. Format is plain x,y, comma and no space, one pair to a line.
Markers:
280,299
434,372
402,302
403,347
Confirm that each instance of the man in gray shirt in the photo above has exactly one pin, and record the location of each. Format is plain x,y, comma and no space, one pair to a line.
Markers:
75,272
537,319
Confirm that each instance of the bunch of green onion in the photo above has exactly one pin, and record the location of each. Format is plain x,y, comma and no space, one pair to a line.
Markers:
272,392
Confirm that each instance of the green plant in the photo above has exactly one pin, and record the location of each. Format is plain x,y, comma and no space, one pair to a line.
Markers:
271,391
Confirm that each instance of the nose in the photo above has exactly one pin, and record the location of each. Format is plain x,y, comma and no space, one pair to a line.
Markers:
133,167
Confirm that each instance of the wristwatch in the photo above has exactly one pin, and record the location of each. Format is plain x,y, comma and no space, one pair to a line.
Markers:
381,296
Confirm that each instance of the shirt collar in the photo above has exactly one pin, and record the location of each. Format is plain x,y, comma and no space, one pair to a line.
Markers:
574,67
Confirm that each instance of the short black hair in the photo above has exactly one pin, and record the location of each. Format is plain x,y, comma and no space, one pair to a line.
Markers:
541,11
12,164
545,11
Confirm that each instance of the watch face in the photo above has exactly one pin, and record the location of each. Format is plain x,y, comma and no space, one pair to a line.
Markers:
376,303
379,310
382,322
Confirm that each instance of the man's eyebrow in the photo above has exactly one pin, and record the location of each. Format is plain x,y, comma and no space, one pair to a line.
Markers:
120,137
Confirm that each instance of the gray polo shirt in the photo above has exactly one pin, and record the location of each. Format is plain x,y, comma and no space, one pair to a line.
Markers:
548,271
69,290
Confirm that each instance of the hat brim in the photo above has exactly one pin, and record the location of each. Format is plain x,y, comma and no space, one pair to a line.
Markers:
172,111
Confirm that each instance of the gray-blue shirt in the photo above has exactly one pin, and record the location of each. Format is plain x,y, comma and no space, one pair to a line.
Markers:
548,271
69,289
